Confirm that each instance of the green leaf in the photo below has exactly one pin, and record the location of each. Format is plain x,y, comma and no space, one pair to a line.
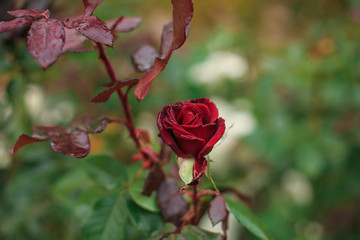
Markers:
194,233
105,170
189,232
70,182
148,222
135,191
109,219
186,169
245,217
168,228
76,191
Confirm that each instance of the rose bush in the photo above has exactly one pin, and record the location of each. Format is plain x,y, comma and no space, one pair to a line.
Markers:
191,129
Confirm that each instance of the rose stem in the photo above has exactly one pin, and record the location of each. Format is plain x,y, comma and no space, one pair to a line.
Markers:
195,202
123,98
208,174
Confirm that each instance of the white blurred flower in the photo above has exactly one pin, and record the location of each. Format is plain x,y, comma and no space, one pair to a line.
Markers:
147,121
313,230
298,186
239,123
5,157
34,100
62,112
218,66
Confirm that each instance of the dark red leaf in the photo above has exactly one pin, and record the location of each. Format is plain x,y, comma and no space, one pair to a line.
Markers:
167,37
74,42
90,9
25,140
143,86
49,130
137,157
217,210
143,135
172,204
144,58
91,124
105,95
182,14
92,28
153,180
13,24
150,153
127,24
30,13
45,41
198,170
74,144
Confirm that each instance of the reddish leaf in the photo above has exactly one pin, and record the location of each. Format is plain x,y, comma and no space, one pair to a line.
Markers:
137,157
182,13
150,154
92,28
90,9
73,141
105,95
143,135
143,86
217,210
13,24
74,144
172,204
45,41
34,13
153,180
50,130
91,124
143,59
25,140
74,42
166,40
127,24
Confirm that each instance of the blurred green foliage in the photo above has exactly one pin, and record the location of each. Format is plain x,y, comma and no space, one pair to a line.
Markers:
299,161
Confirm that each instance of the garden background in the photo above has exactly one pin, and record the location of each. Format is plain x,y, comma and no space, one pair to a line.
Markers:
284,75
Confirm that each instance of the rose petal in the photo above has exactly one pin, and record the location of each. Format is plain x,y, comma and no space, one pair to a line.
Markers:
205,132
167,137
214,113
191,146
218,134
200,109
180,132
188,118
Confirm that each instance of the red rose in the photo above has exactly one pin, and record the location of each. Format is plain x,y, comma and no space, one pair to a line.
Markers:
191,129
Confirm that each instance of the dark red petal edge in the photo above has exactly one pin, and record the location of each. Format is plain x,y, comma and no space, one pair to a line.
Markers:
218,134
168,138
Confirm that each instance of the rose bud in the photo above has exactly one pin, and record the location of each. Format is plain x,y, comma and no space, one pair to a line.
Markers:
191,129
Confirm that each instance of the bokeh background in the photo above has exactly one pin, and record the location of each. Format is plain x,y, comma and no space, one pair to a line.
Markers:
283,73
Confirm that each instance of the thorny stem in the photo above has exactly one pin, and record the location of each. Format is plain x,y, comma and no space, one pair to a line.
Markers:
123,97
208,174
195,203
